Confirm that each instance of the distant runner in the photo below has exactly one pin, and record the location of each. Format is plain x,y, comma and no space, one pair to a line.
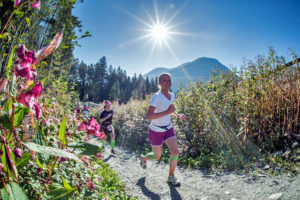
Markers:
161,130
78,109
106,125
85,111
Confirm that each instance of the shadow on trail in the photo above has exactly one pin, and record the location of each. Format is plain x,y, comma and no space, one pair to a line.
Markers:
146,191
174,193
109,157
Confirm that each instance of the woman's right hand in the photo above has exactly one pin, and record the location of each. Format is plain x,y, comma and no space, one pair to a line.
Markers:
171,109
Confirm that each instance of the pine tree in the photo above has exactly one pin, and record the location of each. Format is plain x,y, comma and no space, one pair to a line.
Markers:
101,79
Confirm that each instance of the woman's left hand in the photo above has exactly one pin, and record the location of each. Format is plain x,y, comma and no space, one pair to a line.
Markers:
181,116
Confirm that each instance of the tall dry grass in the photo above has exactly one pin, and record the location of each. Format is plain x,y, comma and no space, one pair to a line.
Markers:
234,119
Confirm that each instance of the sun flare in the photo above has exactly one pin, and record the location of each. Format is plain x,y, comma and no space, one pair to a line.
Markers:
159,32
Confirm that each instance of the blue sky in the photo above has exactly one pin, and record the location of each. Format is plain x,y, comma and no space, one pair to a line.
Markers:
228,30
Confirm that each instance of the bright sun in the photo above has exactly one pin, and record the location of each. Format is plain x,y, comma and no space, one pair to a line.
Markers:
159,32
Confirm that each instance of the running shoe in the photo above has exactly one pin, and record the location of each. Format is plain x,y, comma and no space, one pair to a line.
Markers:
173,180
142,162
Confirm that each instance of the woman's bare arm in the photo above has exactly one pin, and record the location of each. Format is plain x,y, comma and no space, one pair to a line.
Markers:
151,115
105,118
177,115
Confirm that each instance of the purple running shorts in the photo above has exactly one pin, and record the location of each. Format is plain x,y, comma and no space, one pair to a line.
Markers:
157,138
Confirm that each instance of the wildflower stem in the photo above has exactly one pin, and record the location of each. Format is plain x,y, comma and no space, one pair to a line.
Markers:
51,168
11,16
4,185
7,22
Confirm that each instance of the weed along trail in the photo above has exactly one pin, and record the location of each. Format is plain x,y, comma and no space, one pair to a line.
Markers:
151,183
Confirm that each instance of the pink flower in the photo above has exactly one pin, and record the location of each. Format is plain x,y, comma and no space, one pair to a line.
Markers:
17,2
83,126
35,108
86,160
87,179
29,99
36,5
92,127
99,134
26,55
91,186
1,166
99,155
23,69
24,63
100,179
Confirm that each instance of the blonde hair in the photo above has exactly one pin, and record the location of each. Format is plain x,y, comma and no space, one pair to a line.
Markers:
161,77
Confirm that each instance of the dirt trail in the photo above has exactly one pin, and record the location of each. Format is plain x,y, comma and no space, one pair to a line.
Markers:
151,183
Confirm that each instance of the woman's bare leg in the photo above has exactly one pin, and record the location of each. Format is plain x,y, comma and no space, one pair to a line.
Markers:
173,147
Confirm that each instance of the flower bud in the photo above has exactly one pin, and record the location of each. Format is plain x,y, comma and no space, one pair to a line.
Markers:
63,159
17,152
39,171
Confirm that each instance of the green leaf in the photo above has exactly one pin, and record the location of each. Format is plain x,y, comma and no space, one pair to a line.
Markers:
40,164
44,80
10,161
18,12
12,89
4,35
15,192
28,21
40,139
19,115
25,159
62,131
5,120
84,148
3,158
8,67
59,192
88,194
66,184
51,151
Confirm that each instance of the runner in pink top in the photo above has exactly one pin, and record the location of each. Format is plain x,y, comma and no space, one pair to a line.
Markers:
161,130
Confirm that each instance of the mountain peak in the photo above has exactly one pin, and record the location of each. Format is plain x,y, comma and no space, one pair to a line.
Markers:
205,59
199,69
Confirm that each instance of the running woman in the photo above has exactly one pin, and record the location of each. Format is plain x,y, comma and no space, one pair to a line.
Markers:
161,130
106,125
